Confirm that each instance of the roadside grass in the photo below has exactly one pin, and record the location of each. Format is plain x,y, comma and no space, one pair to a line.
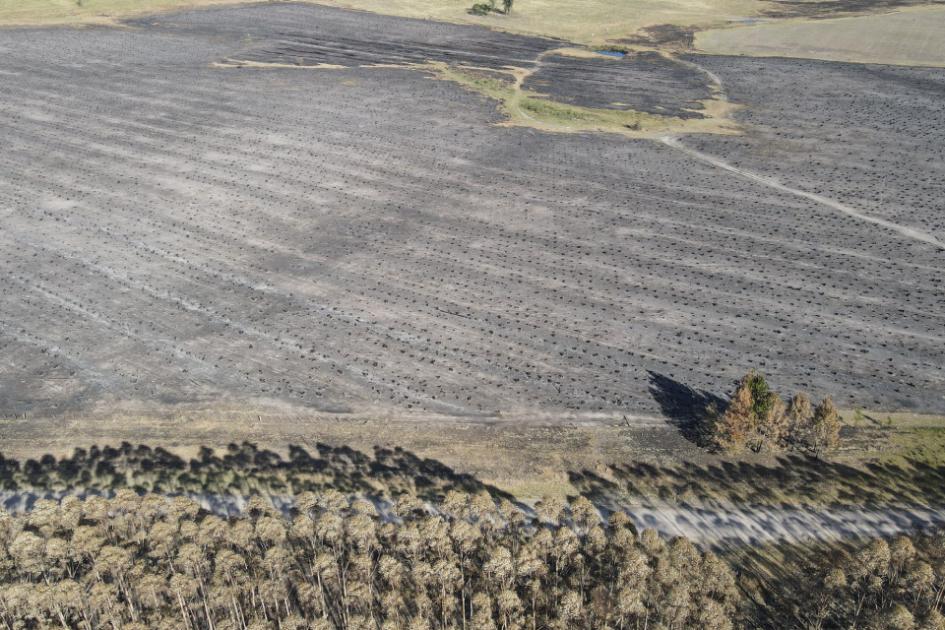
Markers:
550,485
885,458
924,444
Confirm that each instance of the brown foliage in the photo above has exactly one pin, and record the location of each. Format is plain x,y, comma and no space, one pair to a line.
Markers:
334,563
896,584
757,419
737,427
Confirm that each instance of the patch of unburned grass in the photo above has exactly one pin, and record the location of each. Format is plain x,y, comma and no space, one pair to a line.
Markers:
529,109
911,37
926,445
895,438
534,488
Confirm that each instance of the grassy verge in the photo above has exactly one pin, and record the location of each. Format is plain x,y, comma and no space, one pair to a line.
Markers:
530,456
895,438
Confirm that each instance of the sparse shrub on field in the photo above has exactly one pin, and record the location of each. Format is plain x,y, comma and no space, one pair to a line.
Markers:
757,419
482,8
823,434
486,8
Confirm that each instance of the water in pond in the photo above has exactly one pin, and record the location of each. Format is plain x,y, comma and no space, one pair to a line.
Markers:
611,53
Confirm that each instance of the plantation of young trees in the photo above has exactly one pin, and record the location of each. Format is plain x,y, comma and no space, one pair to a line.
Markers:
136,562
877,584
757,419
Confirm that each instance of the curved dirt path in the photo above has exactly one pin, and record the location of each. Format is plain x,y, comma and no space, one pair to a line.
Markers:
908,232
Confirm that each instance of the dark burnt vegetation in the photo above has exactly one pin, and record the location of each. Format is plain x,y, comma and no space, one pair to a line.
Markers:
364,209
672,88
307,36
663,36
795,105
486,8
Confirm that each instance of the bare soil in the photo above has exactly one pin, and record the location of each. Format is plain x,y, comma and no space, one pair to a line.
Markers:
356,241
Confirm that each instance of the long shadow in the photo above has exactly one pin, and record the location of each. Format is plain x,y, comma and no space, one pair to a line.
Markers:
685,407
240,470
790,480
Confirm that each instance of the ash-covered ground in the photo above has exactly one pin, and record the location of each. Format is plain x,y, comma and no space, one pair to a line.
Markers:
361,239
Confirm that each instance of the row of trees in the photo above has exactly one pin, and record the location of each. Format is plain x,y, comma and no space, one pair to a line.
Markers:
136,562
757,419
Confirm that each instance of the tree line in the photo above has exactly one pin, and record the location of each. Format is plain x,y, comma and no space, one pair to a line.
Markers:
757,419
136,562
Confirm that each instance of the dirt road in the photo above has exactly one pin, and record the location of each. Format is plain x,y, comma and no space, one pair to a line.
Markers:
903,230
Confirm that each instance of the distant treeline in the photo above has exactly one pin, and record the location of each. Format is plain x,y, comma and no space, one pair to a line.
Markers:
137,562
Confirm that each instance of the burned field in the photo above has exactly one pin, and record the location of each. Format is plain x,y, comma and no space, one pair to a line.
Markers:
365,240
671,88
870,136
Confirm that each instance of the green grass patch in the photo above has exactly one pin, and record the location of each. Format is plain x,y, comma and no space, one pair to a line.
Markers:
531,109
926,445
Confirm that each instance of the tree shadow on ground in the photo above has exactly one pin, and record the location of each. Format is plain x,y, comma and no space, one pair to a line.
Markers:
241,470
790,480
687,408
